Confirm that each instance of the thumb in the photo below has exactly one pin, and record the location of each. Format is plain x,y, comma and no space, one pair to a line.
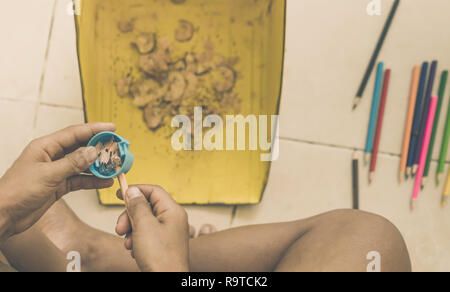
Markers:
138,208
74,163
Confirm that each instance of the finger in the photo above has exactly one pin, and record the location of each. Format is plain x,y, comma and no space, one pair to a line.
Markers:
119,194
129,243
73,164
70,138
84,182
156,194
163,205
123,225
138,209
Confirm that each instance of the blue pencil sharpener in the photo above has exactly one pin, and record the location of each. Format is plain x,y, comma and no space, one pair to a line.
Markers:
124,152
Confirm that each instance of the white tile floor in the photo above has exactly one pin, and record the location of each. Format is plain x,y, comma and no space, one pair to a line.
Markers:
328,45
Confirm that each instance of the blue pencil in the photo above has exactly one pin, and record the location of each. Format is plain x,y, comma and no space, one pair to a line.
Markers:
423,123
374,113
417,119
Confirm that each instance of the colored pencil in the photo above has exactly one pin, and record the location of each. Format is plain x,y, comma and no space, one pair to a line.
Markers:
355,180
375,54
446,191
409,121
444,148
423,156
376,145
425,111
373,113
441,94
416,122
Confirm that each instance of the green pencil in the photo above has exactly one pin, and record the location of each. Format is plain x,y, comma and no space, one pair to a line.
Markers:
444,148
442,87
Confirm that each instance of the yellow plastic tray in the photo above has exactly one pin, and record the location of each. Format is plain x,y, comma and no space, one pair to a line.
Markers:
252,30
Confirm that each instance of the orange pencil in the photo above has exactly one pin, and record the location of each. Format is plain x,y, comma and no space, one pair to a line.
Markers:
409,121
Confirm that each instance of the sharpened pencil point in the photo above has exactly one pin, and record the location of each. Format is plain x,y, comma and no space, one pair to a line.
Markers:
401,177
367,158
356,102
444,203
438,179
414,169
408,172
413,204
371,175
424,182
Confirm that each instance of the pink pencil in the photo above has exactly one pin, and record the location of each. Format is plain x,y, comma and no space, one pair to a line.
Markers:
424,153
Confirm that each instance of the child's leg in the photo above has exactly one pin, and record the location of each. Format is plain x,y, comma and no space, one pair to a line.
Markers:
335,241
32,251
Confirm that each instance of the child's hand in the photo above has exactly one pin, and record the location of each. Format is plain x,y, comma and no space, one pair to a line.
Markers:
49,168
157,230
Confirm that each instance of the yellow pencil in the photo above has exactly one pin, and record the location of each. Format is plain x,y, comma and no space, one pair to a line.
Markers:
446,191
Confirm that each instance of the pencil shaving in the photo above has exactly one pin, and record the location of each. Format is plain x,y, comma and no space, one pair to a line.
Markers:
108,157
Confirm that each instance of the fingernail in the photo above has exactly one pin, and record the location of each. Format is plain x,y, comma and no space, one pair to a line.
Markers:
133,192
91,154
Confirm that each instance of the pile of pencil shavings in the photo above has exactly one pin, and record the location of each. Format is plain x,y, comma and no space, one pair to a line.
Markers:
108,161
172,81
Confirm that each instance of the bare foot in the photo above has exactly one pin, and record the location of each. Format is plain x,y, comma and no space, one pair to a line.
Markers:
207,229
62,226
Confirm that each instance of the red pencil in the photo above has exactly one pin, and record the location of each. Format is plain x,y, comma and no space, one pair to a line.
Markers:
376,144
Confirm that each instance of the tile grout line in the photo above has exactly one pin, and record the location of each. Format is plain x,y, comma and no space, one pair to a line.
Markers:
61,106
341,147
44,67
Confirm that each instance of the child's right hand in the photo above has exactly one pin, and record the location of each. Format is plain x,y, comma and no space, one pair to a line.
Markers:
157,230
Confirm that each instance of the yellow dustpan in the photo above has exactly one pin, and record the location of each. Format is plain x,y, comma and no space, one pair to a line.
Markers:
247,36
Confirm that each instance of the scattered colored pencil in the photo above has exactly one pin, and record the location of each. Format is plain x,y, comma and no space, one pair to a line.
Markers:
444,148
355,180
423,156
441,94
375,54
409,121
373,113
376,145
416,122
446,191
424,115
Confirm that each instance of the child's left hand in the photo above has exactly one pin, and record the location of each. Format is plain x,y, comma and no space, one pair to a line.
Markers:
49,168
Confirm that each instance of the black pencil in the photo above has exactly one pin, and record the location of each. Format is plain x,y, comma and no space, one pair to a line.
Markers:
375,54
355,180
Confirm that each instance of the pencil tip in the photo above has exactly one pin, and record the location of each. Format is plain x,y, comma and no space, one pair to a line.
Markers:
414,169
366,158
356,102
401,176
413,204
371,175
438,179
424,181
